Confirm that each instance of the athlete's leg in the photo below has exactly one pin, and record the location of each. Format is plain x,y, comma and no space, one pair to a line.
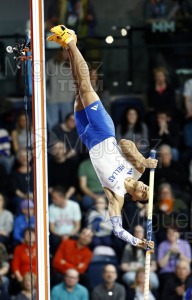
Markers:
87,93
78,105
100,125
133,155
67,39
79,110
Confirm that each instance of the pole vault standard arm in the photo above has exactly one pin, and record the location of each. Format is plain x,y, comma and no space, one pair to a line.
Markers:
40,148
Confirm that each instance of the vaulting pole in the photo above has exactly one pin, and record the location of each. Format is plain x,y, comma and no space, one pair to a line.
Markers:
40,146
149,228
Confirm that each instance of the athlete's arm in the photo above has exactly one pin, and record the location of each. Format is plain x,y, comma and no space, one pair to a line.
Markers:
115,206
135,157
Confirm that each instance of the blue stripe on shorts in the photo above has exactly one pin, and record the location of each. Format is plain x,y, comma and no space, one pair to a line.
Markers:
94,124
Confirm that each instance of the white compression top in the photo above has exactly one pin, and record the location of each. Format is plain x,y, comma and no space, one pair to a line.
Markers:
111,166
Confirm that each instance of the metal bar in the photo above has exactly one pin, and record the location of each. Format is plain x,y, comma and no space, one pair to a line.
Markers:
40,146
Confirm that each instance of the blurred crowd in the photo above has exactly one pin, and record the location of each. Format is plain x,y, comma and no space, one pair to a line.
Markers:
86,258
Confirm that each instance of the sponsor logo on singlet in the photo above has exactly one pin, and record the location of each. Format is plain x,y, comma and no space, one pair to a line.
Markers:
116,173
130,172
94,107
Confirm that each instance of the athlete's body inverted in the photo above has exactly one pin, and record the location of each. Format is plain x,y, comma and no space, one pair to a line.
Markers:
118,166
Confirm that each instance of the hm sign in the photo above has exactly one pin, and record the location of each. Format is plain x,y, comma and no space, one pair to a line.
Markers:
163,26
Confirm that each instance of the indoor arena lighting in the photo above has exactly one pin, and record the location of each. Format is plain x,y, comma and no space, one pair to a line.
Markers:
109,39
123,32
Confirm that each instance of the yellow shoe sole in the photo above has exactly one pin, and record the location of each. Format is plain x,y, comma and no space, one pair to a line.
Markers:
57,39
64,33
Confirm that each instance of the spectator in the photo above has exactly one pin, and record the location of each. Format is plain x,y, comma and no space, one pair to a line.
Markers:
176,286
76,14
74,254
89,184
24,257
155,10
136,291
168,209
70,288
170,251
21,180
28,292
60,91
6,222
98,221
170,171
58,170
109,289
161,95
166,132
66,132
187,93
134,258
132,128
4,268
23,221
19,136
64,218
6,160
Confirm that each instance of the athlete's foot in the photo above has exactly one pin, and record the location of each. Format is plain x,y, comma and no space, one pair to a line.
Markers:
65,34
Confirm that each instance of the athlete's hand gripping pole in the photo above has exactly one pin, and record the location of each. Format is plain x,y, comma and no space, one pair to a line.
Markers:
149,228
